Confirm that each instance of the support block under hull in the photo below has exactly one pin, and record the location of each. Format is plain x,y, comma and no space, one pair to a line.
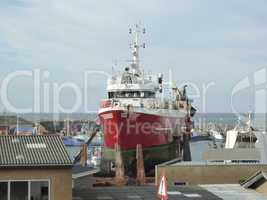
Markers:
152,156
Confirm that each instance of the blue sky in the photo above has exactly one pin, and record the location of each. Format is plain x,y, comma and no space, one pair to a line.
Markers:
201,41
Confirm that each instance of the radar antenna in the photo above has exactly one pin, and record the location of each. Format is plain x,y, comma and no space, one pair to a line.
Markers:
136,31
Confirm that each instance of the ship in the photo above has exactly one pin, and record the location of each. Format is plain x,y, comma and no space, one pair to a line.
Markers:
139,111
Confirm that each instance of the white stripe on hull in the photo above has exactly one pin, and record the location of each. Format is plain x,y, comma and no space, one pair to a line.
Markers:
149,111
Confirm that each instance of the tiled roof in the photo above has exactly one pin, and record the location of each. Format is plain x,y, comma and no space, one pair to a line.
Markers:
33,151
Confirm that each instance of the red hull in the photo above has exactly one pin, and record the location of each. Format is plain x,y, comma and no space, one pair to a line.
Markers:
128,130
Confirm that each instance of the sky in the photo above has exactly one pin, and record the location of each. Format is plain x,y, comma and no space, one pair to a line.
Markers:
217,43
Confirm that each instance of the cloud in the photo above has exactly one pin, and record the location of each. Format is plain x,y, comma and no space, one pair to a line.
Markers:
44,32
199,39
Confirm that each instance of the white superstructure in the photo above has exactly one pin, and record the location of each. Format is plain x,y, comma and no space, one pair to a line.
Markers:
132,88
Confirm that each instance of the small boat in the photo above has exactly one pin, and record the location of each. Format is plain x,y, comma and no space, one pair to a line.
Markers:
81,137
70,141
216,135
242,136
96,141
197,136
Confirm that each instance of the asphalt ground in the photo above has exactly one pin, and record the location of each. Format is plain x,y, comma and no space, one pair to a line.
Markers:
143,193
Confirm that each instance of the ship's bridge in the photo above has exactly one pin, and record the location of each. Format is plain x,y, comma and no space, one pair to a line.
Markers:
132,86
132,90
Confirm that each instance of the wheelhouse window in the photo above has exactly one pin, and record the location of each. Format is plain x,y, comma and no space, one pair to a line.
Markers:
131,94
24,190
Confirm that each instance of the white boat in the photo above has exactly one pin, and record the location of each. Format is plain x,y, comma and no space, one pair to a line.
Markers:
84,138
242,136
217,136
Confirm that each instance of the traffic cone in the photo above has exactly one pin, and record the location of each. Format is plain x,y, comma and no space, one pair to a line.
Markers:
162,190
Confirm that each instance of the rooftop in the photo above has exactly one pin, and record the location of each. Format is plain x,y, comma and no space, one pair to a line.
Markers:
202,192
84,190
33,151
143,193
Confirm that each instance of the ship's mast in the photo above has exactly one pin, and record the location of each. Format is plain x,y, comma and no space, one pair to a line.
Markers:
135,47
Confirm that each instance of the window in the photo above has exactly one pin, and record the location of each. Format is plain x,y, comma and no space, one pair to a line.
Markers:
24,190
39,190
3,191
111,95
131,94
19,190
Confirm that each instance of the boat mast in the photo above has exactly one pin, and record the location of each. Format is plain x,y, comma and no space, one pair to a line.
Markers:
135,47
17,132
249,123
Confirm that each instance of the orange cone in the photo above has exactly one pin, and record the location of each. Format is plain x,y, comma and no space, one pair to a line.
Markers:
162,190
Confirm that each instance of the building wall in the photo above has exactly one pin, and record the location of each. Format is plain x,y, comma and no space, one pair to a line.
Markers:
207,174
60,179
